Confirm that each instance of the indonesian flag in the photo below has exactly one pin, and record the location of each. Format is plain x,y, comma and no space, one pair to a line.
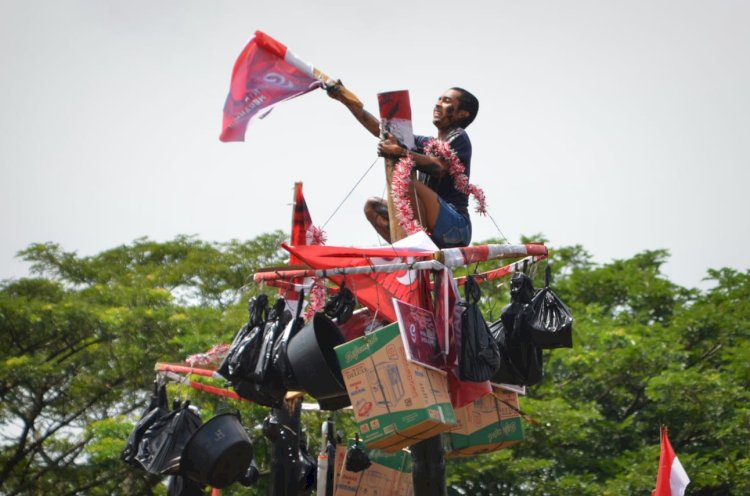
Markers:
395,116
265,73
671,480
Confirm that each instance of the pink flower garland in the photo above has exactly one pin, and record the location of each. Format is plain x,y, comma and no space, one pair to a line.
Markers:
402,177
211,358
456,169
400,190
316,236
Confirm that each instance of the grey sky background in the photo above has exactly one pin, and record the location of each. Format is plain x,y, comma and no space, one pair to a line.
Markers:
622,126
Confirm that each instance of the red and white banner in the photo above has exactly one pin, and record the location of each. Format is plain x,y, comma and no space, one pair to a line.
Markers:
419,334
395,116
671,479
265,73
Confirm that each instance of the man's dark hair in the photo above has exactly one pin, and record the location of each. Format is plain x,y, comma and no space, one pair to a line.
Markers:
469,103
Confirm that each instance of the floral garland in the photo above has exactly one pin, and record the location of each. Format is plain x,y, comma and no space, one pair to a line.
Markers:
400,191
316,236
211,358
402,177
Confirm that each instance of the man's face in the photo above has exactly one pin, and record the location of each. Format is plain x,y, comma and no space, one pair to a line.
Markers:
447,113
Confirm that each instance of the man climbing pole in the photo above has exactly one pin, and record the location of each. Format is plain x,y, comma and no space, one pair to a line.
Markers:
439,198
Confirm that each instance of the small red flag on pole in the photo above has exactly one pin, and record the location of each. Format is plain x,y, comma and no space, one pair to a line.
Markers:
671,479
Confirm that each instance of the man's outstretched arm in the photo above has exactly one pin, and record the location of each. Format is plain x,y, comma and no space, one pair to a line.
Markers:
434,166
369,121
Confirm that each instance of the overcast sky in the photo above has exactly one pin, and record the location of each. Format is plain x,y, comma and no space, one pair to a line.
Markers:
622,126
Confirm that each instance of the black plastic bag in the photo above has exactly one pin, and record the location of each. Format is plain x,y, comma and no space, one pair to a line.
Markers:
308,466
340,306
506,373
480,357
254,392
243,352
161,447
268,382
521,293
521,362
521,288
275,325
357,459
548,319
248,365
251,475
157,408
281,365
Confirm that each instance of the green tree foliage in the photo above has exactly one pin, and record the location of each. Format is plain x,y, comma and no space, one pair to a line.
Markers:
79,340
647,352
78,344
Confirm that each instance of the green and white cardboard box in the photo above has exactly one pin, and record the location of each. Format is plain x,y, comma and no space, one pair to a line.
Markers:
396,402
389,474
488,424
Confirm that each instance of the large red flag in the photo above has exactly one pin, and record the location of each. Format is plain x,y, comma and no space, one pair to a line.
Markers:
265,73
671,479
374,290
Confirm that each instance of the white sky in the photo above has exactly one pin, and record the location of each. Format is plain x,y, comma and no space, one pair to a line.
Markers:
621,126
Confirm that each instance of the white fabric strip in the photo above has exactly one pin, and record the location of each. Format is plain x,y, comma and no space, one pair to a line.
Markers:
678,478
292,59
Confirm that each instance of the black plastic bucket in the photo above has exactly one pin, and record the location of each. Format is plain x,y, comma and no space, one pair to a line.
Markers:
218,453
315,365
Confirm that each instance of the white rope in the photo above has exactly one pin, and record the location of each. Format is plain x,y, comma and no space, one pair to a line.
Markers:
350,192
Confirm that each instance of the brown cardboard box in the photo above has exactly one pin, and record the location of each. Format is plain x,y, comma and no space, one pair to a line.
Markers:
406,483
340,458
487,424
389,475
396,403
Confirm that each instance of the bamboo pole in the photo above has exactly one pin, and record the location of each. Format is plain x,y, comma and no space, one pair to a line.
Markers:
397,232
428,462
450,257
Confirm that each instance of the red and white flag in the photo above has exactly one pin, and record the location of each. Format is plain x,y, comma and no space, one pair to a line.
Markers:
671,480
395,116
265,73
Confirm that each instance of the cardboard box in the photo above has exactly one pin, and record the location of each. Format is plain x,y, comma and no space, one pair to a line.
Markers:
406,483
389,475
339,459
487,424
396,403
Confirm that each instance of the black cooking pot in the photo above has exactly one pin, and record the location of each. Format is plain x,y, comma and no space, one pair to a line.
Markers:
218,453
315,365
